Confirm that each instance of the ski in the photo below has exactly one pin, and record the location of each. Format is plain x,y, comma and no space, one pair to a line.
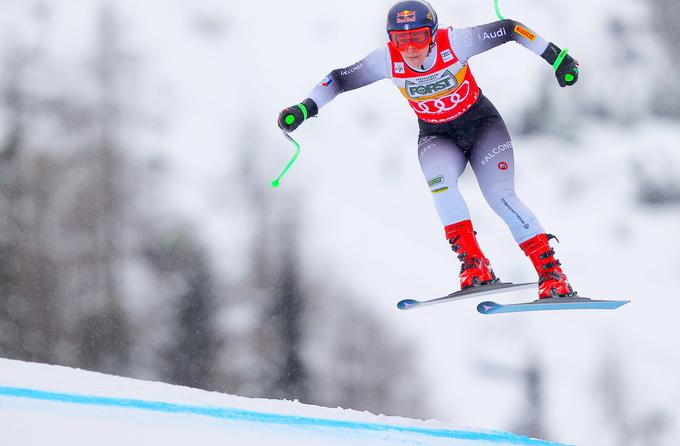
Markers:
552,303
503,287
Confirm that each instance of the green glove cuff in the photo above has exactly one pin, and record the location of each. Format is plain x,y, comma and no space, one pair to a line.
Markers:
560,58
304,111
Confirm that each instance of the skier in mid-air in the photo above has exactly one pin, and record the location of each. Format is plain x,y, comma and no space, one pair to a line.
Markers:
458,124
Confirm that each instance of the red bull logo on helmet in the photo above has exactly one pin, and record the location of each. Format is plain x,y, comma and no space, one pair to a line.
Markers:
406,16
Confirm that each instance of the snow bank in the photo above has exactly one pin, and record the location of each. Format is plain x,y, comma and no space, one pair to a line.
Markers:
41,404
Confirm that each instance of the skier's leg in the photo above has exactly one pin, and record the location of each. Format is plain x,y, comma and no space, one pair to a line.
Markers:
493,163
442,162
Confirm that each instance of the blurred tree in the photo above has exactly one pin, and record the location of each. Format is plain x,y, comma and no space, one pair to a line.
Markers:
286,322
530,419
99,216
191,352
253,353
69,210
628,426
665,15
657,181
28,284
13,308
355,361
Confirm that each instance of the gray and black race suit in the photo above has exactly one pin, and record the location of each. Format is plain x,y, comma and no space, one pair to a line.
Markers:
477,134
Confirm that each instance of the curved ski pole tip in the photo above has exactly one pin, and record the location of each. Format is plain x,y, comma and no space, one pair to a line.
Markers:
277,180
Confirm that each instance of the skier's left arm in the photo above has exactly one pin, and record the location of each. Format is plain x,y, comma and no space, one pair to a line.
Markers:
372,68
467,42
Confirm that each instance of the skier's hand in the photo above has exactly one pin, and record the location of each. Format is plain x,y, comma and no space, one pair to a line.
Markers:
567,67
290,118
567,72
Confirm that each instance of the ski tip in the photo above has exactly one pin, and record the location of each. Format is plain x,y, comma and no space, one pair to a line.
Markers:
487,307
407,303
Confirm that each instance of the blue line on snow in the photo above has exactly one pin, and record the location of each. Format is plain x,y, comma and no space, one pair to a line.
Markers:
257,417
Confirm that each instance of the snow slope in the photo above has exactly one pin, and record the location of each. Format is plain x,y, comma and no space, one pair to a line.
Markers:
43,404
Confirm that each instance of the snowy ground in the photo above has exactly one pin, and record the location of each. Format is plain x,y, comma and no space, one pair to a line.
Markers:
41,404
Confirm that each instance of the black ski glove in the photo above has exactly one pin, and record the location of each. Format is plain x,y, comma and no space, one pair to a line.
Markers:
567,70
290,118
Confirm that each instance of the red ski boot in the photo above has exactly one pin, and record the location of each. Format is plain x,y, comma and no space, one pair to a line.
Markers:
551,280
476,269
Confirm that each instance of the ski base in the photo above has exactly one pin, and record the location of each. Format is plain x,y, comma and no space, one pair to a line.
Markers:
502,287
552,303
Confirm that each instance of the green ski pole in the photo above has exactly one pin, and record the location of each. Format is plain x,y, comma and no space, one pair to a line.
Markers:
498,10
276,182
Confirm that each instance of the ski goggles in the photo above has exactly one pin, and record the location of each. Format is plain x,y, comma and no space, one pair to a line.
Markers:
418,38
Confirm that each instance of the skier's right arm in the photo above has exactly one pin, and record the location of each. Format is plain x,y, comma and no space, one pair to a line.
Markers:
372,68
